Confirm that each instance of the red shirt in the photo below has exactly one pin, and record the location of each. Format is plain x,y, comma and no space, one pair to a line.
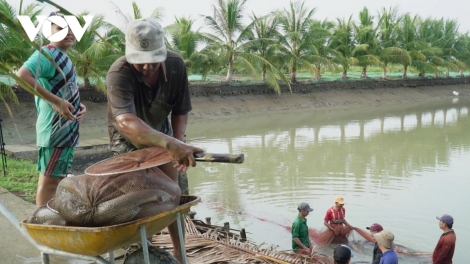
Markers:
334,216
444,250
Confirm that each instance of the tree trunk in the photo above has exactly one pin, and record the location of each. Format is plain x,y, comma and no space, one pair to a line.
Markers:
263,73
404,72
460,73
364,72
293,75
447,72
229,71
345,74
86,83
384,73
318,74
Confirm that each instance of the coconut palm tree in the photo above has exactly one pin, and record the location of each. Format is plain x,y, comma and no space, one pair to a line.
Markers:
366,41
429,33
408,39
229,32
296,40
323,54
462,45
265,31
232,39
182,39
91,56
124,19
448,37
15,48
342,41
387,35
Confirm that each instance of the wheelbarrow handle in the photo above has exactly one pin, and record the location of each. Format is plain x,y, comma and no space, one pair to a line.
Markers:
217,157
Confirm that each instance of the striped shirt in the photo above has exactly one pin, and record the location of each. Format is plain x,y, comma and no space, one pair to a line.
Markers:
334,216
52,130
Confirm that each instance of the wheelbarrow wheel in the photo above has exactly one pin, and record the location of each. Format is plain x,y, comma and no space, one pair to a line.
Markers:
156,256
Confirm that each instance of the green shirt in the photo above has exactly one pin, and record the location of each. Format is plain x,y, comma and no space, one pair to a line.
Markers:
52,130
300,230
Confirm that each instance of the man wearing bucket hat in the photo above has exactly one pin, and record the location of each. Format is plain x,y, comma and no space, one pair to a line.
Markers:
445,247
300,239
385,242
377,253
144,87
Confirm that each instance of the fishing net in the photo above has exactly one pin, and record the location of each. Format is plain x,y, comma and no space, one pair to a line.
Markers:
97,201
132,161
362,245
322,238
47,215
129,187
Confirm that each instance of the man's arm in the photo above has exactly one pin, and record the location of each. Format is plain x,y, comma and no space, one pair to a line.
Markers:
295,237
299,243
327,220
65,108
178,123
328,225
141,134
346,223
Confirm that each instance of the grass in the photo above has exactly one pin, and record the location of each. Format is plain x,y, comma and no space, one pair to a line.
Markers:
21,179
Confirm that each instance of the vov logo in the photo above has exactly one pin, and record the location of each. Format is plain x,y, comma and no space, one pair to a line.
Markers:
46,24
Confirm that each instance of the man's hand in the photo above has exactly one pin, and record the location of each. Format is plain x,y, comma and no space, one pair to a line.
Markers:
183,154
65,109
81,112
305,251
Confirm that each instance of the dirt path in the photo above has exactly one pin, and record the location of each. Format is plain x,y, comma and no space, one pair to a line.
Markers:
212,102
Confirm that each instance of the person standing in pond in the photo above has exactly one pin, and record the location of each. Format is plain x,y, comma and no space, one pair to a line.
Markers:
59,111
300,240
335,220
377,253
342,254
385,242
144,87
444,251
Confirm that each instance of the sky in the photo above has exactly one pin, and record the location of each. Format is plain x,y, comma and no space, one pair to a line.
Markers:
325,9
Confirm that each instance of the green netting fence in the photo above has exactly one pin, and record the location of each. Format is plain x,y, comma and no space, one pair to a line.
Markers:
301,76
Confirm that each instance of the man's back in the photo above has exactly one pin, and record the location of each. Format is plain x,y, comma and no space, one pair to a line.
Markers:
389,257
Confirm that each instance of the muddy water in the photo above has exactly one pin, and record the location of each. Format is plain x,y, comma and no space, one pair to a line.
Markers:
398,166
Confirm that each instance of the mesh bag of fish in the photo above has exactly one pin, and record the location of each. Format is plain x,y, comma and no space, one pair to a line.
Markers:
111,195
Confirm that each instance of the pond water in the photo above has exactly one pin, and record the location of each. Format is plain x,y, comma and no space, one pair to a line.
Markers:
399,166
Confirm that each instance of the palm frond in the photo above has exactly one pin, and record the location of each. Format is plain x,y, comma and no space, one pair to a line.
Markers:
7,92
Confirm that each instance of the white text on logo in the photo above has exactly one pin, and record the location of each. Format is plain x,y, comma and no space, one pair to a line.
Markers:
46,24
